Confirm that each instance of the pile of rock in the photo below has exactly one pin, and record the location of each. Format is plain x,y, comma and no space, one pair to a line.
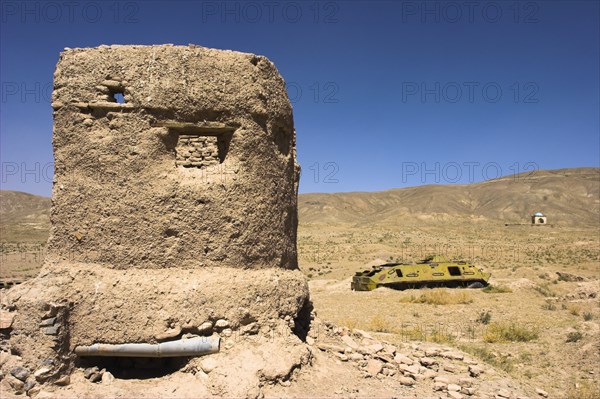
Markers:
414,364
94,374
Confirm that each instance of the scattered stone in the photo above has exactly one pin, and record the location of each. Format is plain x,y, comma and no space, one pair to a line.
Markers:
42,374
6,319
227,332
17,385
30,383
454,387
310,340
355,357
113,84
208,364
432,352
48,322
330,347
439,386
389,349
414,369
407,381
172,333
452,355
454,395
503,393
222,323
427,361
342,357
349,342
468,391
562,276
205,327
429,374
374,367
374,348
475,371
20,373
253,328
450,368
441,379
362,333
107,378
89,371
403,359
34,391
541,392
465,382
4,356
96,377
50,330
65,380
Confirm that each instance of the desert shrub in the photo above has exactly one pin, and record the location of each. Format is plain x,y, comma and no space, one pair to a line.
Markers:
440,297
413,334
490,357
545,290
574,309
574,336
583,390
496,289
438,335
587,316
509,332
484,317
379,324
525,357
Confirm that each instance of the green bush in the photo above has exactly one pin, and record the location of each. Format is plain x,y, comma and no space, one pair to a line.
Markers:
509,332
484,317
496,289
574,336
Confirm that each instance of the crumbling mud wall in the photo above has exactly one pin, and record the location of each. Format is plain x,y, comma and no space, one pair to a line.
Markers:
196,168
174,210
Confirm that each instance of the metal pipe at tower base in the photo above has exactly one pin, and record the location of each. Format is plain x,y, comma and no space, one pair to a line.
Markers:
180,348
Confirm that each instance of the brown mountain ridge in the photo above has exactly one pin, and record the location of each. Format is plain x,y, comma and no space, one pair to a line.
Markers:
566,196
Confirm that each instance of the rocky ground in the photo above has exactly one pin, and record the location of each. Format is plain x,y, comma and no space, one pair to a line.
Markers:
339,362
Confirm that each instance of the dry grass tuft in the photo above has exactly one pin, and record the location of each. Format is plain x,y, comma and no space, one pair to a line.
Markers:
509,332
583,390
439,297
488,356
379,324
496,289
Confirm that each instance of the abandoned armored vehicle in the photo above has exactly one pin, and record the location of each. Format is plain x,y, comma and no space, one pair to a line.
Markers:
435,271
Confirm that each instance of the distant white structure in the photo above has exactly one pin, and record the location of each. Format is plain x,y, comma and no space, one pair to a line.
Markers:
538,218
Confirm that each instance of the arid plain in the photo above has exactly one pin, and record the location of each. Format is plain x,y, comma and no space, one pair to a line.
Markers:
539,321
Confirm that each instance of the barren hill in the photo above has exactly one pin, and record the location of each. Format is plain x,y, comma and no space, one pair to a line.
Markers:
566,196
24,217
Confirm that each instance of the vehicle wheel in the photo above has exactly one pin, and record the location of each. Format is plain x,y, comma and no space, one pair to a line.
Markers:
476,284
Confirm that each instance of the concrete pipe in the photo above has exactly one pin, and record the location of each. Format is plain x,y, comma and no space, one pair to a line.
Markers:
181,348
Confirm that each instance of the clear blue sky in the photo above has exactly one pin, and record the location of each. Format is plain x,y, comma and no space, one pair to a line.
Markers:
385,94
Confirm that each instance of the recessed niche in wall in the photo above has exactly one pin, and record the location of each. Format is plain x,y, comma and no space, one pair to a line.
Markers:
200,145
